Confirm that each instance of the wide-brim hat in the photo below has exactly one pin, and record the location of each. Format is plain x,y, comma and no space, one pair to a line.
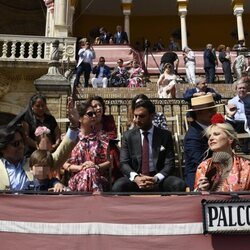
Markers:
203,102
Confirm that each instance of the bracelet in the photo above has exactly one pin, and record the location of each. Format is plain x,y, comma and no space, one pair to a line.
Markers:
73,127
97,167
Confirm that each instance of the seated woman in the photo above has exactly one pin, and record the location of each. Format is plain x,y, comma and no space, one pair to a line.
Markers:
103,122
106,123
225,171
37,115
136,75
89,161
166,83
119,77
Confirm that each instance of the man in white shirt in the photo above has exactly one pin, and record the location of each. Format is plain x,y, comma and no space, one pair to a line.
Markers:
85,63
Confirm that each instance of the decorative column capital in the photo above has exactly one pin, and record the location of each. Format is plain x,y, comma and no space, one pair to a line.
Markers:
126,6
238,7
182,7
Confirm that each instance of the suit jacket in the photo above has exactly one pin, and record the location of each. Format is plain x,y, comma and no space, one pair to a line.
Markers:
195,146
59,157
190,92
106,71
209,59
163,152
120,40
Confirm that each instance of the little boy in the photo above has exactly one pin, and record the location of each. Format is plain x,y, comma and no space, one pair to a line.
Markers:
41,162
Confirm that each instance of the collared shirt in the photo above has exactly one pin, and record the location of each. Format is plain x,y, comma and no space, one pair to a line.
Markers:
151,163
240,114
17,176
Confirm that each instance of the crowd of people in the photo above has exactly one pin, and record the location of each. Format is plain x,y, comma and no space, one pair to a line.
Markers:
134,73
36,156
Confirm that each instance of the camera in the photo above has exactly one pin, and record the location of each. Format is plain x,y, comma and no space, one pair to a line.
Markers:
147,44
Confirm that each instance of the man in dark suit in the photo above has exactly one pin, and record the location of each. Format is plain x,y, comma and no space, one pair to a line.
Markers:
151,171
195,143
200,89
120,37
210,61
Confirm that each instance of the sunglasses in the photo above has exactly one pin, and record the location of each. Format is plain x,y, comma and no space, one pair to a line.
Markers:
16,144
91,114
101,61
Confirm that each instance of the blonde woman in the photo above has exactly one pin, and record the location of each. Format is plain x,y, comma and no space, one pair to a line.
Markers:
225,171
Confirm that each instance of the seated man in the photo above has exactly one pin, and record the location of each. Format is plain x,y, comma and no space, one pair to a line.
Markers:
15,172
147,156
200,89
102,74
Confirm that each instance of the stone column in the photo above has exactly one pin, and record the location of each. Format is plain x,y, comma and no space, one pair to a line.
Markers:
61,15
182,9
126,8
54,85
238,11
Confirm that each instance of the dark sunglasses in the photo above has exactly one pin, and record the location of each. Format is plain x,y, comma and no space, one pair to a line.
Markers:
16,144
101,61
91,114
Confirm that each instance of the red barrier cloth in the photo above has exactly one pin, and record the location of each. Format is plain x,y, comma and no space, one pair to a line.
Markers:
103,217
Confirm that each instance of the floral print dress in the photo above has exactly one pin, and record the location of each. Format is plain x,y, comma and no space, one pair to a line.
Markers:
238,178
93,147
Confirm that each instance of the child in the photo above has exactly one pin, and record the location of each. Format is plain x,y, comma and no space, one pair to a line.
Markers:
41,162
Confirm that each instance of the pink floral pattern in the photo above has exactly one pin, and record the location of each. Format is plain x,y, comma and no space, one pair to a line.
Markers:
93,147
42,130
238,178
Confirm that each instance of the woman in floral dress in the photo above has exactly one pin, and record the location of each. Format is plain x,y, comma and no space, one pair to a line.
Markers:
225,171
89,161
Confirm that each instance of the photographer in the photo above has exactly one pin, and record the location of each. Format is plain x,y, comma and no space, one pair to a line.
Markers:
169,57
85,63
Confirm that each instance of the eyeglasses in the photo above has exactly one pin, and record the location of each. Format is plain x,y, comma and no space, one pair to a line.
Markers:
16,144
91,114
101,61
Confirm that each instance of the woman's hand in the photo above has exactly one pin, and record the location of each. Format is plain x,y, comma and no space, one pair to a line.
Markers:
203,184
88,164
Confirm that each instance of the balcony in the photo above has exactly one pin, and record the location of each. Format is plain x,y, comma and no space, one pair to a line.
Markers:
33,51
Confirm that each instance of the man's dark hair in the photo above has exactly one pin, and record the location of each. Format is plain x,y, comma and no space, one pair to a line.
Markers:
137,98
147,104
7,135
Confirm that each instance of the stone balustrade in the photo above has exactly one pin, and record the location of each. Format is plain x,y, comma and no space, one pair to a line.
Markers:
20,48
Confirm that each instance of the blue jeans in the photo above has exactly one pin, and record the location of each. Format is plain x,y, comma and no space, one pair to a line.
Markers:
86,68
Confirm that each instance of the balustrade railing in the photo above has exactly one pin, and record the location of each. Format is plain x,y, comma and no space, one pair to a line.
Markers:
34,48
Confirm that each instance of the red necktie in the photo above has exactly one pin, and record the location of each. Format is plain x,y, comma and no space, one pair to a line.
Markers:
145,154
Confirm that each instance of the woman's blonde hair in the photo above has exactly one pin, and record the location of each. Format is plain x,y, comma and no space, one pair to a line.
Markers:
227,128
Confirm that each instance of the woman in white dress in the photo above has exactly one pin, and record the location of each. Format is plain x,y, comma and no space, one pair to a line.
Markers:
166,82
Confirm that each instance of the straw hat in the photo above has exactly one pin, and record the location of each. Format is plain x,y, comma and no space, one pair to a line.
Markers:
203,102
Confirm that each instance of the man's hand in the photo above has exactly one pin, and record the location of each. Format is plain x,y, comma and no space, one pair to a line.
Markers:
231,110
59,187
144,182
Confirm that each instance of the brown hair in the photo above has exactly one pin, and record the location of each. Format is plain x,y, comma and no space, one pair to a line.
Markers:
42,157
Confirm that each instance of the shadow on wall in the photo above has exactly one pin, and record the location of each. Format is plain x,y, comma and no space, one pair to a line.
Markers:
5,118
